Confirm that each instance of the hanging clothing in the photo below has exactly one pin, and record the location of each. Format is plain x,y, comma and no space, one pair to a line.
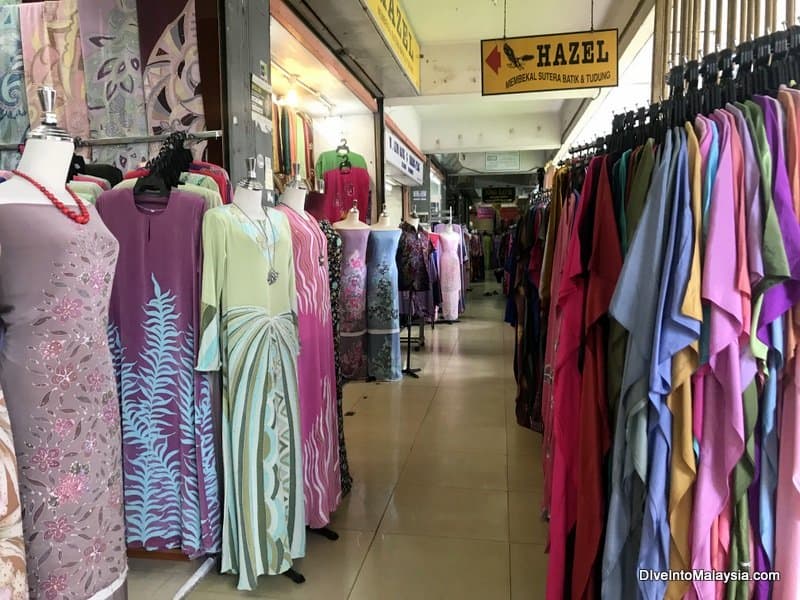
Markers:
343,188
13,574
170,486
114,88
331,159
634,307
571,303
58,378
316,370
170,68
52,53
354,302
384,361
248,333
335,286
13,97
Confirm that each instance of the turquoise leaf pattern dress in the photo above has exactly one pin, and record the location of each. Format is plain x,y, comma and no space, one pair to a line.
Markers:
171,488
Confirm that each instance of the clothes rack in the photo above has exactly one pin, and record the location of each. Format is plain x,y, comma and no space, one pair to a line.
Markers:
124,141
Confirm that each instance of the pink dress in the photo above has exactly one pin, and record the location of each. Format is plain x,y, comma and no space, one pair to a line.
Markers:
450,275
316,371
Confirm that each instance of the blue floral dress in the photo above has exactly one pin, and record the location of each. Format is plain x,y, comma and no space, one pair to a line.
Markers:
383,306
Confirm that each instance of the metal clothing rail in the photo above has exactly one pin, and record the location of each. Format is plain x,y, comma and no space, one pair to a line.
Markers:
137,139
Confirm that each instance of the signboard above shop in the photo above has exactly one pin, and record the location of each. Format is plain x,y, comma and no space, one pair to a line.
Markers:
407,166
564,61
392,22
496,195
502,161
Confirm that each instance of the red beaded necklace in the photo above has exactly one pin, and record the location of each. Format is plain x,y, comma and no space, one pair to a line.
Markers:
82,217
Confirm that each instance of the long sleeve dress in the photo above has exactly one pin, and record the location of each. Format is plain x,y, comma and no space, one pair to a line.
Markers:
249,332
316,369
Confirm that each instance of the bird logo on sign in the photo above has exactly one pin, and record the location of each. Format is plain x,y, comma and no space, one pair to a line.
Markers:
514,61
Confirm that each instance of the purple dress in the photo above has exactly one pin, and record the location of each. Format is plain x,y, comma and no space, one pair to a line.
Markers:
353,303
58,380
171,489
316,370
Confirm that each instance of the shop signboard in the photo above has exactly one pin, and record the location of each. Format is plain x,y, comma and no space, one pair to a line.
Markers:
563,61
485,212
399,156
392,21
502,161
499,194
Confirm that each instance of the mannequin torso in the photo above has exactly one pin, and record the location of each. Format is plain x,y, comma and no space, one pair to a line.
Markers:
413,221
295,198
351,221
47,162
383,223
249,201
448,228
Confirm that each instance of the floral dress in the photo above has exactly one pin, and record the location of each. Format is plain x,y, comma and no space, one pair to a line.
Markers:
13,576
335,278
354,303
383,307
57,375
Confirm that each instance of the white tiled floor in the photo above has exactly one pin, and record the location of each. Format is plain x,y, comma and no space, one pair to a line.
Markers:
447,486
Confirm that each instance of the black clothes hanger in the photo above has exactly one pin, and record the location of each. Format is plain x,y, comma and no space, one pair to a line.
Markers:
778,70
793,58
744,74
77,166
727,84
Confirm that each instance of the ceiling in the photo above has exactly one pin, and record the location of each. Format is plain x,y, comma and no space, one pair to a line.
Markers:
292,56
453,21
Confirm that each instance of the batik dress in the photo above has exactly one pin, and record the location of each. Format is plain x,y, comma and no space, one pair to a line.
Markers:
353,302
335,286
317,372
383,306
57,375
249,332
170,486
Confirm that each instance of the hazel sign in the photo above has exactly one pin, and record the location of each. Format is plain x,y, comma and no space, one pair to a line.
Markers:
564,61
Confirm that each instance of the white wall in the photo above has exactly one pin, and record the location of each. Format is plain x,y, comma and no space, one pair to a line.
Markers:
394,204
408,121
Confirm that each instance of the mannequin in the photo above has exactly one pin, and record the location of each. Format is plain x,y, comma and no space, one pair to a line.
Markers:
450,271
351,221
413,220
247,195
295,198
46,158
448,228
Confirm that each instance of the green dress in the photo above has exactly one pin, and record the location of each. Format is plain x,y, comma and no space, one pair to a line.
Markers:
249,332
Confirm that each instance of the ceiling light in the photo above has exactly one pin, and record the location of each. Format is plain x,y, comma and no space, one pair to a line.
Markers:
292,98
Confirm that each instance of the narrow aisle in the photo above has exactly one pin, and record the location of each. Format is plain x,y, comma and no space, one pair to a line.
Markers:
447,485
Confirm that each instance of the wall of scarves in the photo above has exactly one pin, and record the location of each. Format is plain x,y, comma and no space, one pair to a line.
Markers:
293,144
119,69
669,398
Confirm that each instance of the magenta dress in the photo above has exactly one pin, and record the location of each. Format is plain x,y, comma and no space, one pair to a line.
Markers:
316,371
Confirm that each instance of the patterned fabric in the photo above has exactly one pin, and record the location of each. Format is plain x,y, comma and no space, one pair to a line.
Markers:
412,258
335,280
321,478
13,577
13,99
354,303
248,332
57,374
171,490
168,46
52,53
383,307
109,32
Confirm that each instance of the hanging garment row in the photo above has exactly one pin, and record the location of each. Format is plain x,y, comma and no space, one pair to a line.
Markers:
670,360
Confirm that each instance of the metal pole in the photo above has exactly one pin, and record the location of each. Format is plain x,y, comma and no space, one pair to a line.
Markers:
718,41
707,27
791,13
742,20
685,33
757,18
675,50
661,48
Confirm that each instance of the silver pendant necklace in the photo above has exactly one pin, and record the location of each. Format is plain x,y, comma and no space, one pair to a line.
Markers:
272,274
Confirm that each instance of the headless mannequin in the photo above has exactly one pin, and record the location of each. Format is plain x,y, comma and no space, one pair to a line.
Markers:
351,221
250,203
449,228
295,198
413,220
383,223
47,162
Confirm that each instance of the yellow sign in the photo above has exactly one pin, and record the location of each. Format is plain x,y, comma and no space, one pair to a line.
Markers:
565,61
393,24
